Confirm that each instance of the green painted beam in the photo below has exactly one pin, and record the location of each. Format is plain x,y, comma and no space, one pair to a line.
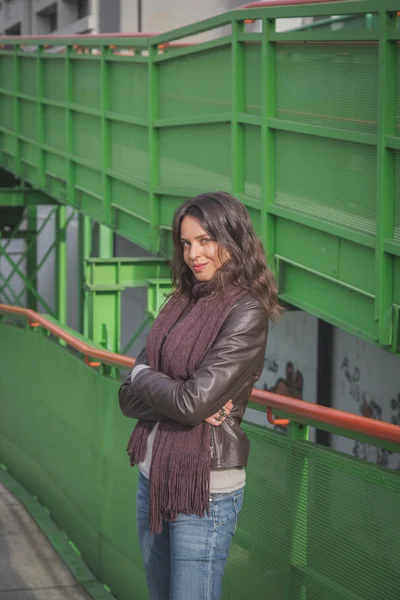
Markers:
24,197
125,272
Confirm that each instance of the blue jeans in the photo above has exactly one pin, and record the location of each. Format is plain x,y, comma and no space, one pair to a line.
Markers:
187,560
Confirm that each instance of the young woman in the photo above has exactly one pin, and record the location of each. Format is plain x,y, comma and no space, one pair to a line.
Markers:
189,389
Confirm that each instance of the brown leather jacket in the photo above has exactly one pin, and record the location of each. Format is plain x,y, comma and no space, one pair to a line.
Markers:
228,372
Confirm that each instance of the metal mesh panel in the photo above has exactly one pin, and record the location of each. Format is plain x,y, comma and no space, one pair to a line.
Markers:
87,137
196,84
396,229
398,92
196,157
28,118
129,150
128,89
252,161
348,543
28,75
252,79
130,199
7,71
29,154
316,524
86,83
335,86
328,179
6,111
54,78
54,127
87,179
260,549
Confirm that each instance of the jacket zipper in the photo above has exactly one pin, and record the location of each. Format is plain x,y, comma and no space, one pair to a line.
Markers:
212,445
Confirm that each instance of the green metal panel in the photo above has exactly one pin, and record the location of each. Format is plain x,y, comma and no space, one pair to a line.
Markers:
335,86
396,225
200,165
252,162
396,281
86,83
54,128
129,89
252,82
356,266
327,179
315,524
54,78
129,151
188,86
328,300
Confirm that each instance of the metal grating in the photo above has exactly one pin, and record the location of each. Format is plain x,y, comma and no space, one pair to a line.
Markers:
396,225
252,161
54,79
252,79
327,179
86,83
54,127
129,153
196,157
196,84
316,524
129,89
398,92
329,85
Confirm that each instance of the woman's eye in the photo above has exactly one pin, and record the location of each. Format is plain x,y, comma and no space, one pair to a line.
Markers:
205,241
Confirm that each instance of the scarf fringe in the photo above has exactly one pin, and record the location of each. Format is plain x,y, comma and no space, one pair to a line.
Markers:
137,444
181,481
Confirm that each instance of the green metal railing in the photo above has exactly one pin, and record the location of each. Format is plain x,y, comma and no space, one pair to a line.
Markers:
316,523
302,126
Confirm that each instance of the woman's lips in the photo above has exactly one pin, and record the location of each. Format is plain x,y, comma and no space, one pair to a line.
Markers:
198,268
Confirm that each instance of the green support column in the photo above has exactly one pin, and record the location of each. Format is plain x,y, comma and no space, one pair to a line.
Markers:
16,69
60,278
154,159
238,101
268,93
31,256
104,301
385,178
105,135
106,242
297,506
85,251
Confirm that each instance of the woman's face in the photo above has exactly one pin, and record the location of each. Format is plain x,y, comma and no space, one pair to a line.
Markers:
203,256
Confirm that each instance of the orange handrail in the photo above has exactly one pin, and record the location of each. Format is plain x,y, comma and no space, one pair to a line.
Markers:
299,408
36,320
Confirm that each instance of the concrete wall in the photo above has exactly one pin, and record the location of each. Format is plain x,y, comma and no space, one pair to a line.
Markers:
366,381
33,17
290,366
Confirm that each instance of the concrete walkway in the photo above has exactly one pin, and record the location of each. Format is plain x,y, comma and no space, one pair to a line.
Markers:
30,569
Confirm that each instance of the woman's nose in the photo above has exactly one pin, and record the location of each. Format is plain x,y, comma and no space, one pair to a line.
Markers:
194,251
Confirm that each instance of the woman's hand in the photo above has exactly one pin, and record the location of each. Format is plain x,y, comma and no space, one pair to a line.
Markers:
220,416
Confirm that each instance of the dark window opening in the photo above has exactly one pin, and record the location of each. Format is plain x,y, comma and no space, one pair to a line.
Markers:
83,8
14,30
47,19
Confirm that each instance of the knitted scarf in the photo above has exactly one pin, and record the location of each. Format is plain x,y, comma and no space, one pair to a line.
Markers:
181,461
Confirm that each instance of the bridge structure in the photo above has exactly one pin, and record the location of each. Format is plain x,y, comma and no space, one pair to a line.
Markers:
303,127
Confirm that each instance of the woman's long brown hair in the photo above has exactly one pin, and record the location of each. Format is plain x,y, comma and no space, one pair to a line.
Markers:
228,223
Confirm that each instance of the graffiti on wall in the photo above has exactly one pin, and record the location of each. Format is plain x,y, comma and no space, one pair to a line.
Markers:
368,407
291,385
